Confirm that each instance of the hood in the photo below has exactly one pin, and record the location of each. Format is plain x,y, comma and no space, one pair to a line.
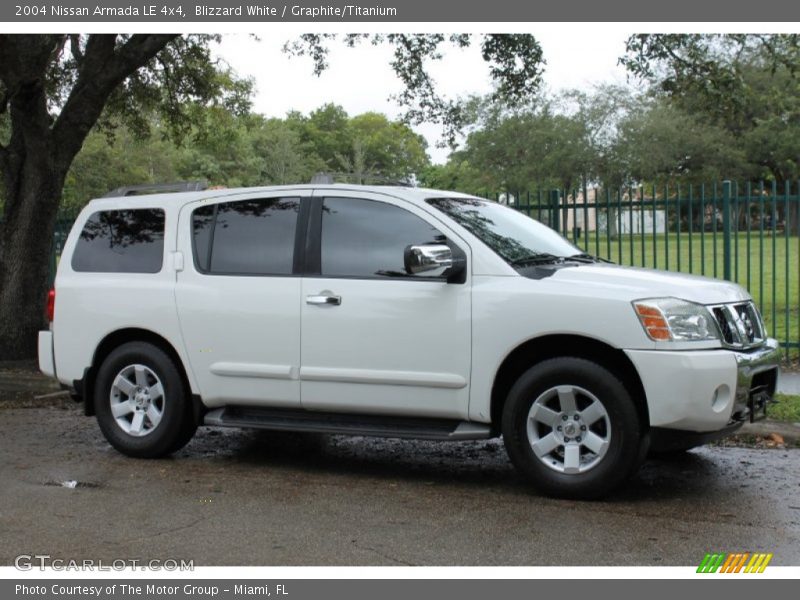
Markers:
635,283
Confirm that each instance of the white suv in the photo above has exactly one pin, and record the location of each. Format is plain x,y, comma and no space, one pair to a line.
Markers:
398,312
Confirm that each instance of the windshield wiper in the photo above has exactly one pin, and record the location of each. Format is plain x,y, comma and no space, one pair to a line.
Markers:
585,257
537,258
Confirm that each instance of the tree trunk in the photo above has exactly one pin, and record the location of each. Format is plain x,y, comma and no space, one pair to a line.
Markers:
36,160
612,229
26,238
793,218
32,185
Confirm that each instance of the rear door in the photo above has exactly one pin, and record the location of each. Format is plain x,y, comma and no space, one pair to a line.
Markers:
239,295
387,342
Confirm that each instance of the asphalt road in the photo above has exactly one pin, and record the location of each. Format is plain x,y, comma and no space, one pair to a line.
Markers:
254,498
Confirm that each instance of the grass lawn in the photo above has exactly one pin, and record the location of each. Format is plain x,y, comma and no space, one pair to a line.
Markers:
768,267
787,409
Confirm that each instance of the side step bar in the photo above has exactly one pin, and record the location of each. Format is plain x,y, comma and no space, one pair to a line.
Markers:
347,424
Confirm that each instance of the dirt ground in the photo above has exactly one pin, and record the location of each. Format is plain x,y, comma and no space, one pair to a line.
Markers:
236,497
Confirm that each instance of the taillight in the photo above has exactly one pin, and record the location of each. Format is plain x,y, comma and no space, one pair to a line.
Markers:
51,305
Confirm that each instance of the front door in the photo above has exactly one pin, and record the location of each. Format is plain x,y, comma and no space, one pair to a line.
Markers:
374,339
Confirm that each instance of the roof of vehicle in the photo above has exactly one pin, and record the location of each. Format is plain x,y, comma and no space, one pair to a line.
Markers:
413,194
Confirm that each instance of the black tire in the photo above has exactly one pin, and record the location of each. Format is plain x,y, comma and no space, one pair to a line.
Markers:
177,424
626,440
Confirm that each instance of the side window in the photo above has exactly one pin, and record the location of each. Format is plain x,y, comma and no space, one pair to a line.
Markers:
246,237
364,238
121,241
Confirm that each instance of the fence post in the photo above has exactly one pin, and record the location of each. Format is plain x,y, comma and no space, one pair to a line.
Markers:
555,213
726,230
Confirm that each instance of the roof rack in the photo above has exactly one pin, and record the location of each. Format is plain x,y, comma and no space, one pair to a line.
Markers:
158,188
329,177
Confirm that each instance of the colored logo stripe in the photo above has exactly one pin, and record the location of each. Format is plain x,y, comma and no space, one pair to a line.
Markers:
735,562
711,563
758,563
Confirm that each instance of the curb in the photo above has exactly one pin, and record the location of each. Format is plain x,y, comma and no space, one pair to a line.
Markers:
790,432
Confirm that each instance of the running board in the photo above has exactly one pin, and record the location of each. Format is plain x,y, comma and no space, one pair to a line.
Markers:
346,424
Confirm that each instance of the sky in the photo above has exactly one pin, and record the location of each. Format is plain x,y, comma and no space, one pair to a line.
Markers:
360,79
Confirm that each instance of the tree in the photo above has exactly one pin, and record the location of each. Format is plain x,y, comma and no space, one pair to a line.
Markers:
391,150
515,66
532,146
657,141
105,163
286,158
325,132
745,83
54,89
456,174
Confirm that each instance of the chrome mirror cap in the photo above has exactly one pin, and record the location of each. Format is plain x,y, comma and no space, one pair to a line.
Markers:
427,257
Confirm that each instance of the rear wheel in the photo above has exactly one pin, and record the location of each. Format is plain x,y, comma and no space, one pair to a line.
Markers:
141,402
571,427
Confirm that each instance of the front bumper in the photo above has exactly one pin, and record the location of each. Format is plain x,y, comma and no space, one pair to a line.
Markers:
705,390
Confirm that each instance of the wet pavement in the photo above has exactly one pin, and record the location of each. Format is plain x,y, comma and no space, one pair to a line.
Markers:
258,498
789,383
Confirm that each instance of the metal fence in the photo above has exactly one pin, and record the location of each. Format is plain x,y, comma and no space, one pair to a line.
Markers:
744,233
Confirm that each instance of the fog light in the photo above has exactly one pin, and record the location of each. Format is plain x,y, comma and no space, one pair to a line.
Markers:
720,398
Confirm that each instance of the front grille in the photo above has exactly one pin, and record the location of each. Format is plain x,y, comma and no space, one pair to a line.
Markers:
740,324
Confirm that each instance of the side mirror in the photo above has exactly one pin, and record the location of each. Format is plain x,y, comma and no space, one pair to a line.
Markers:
427,257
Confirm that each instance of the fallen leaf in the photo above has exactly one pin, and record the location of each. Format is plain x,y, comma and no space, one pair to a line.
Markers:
775,437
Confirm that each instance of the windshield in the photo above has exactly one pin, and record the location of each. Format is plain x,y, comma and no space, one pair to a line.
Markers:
511,234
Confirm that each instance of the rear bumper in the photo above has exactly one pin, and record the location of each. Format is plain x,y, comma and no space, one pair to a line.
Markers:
47,363
705,390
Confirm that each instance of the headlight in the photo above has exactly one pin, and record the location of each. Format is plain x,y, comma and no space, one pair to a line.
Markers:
671,319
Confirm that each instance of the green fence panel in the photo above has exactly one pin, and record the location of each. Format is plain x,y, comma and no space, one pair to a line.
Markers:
743,232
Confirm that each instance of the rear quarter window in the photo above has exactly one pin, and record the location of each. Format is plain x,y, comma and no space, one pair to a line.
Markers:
246,237
121,241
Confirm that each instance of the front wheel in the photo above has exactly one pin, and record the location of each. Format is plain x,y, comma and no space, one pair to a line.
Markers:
142,405
571,427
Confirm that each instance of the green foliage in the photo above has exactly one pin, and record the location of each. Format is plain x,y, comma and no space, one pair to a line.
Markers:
391,149
247,150
536,145
515,66
744,85
325,130
178,84
457,174
657,141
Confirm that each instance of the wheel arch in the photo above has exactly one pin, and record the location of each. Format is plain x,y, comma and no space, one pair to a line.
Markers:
536,350
122,336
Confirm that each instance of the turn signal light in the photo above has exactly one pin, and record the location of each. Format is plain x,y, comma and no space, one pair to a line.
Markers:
653,322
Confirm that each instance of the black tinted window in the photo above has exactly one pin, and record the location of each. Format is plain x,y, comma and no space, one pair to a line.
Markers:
362,238
121,241
248,237
202,219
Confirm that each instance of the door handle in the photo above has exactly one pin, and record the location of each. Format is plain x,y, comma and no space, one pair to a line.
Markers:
324,300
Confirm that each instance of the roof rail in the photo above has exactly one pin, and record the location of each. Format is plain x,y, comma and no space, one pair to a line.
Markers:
158,188
322,178
325,178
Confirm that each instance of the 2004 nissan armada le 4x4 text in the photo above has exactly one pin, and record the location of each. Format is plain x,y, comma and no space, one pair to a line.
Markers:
398,312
